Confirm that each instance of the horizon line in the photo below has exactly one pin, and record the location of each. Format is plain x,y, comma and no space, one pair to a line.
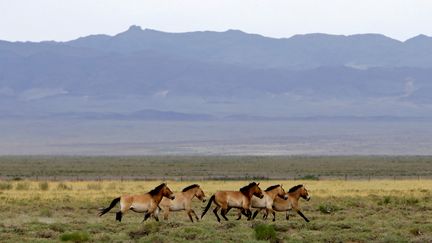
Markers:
139,28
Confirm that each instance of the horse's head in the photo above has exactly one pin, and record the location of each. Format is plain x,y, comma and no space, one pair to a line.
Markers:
281,193
256,190
199,193
166,192
304,193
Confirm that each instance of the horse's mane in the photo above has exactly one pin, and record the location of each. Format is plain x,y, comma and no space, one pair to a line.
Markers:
157,189
245,189
190,187
272,187
295,188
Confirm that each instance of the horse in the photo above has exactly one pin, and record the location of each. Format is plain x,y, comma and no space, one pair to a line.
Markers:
183,201
294,194
267,201
146,203
234,199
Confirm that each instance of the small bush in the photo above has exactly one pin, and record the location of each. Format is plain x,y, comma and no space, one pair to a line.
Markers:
411,201
58,227
149,228
327,208
23,186
265,232
75,236
44,186
5,186
309,177
386,200
45,213
94,186
112,186
415,232
46,234
63,186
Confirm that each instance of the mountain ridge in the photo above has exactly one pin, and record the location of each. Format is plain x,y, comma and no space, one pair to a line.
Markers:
224,73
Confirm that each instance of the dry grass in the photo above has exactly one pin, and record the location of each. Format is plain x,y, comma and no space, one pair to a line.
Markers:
340,211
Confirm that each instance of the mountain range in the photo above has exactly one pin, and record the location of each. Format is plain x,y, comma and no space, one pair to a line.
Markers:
149,74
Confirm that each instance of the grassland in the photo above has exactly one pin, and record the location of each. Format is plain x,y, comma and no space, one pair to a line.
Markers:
215,167
340,211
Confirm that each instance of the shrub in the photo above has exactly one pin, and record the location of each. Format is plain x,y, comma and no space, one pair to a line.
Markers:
415,232
23,186
75,236
309,177
44,186
265,232
151,227
63,186
58,227
386,200
411,201
327,208
45,213
5,186
94,186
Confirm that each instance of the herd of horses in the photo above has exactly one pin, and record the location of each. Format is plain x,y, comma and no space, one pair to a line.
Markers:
273,199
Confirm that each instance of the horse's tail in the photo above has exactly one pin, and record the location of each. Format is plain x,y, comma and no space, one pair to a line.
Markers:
208,206
106,210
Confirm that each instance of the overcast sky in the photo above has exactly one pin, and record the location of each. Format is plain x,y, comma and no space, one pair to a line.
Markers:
68,19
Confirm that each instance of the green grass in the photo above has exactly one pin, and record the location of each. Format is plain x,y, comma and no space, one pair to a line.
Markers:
339,211
44,186
75,237
265,232
215,167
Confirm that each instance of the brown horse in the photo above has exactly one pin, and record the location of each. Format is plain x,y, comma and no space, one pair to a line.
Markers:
183,201
234,199
294,194
267,201
146,203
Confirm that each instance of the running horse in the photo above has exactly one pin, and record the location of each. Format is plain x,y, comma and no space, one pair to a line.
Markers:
241,199
266,202
147,203
183,201
294,195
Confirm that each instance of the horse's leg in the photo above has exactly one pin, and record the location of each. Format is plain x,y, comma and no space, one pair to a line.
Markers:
256,213
124,207
228,209
189,213
166,213
155,214
274,215
146,216
119,216
249,214
223,213
156,217
265,214
196,216
302,215
239,214
244,212
287,215
215,212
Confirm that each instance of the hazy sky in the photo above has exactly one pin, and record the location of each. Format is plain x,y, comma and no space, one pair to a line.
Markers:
68,19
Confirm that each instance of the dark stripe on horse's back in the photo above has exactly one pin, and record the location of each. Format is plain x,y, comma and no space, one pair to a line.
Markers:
157,189
295,188
190,187
272,187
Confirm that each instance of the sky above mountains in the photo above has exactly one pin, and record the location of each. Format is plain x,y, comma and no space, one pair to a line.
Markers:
22,20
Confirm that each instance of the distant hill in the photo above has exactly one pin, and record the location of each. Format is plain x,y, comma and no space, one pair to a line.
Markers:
217,74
